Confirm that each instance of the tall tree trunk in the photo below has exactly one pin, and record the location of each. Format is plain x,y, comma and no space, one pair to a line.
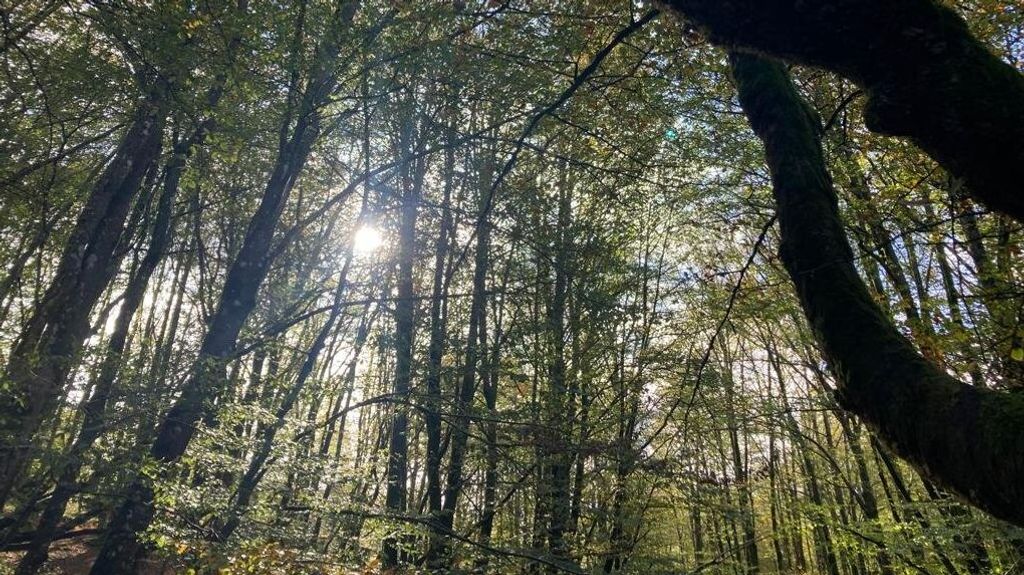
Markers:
490,380
904,492
92,425
121,547
556,446
439,554
396,500
739,469
965,534
823,545
624,462
435,351
866,496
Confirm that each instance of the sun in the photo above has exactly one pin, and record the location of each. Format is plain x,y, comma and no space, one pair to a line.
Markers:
366,240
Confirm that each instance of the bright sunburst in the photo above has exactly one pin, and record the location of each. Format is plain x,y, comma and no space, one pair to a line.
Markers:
366,240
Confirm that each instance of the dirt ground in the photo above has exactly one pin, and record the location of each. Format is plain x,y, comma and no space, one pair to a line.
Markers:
67,557
72,557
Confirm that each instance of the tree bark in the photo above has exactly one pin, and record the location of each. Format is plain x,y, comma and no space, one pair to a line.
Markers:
558,435
970,440
257,465
926,77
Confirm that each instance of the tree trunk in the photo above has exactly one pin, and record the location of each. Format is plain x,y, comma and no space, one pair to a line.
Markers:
739,469
435,352
48,345
439,555
968,439
250,480
866,497
121,548
558,435
396,500
92,425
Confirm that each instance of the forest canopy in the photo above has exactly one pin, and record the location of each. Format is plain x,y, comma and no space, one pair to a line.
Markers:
521,286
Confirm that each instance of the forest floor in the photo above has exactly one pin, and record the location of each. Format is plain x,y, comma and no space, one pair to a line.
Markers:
67,557
72,557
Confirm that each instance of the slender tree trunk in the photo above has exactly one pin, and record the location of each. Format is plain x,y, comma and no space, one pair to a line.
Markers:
556,448
965,534
257,464
866,496
624,462
904,492
739,468
92,425
396,500
439,555
435,353
121,547
823,545
490,380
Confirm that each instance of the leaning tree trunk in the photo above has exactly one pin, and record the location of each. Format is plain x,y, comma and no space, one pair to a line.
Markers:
160,238
47,346
92,422
968,439
122,547
257,464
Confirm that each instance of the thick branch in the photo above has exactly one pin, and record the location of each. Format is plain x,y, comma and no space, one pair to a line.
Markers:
969,439
926,77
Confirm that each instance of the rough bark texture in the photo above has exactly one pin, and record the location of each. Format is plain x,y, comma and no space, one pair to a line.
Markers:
925,76
969,439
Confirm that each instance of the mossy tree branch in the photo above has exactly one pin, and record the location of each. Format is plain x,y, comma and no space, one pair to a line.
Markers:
925,76
969,439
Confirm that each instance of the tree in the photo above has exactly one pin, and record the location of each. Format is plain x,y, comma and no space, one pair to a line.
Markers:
497,286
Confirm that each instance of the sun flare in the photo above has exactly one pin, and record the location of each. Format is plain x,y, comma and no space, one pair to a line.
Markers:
366,240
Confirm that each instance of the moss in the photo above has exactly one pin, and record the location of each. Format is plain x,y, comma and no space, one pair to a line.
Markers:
968,439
